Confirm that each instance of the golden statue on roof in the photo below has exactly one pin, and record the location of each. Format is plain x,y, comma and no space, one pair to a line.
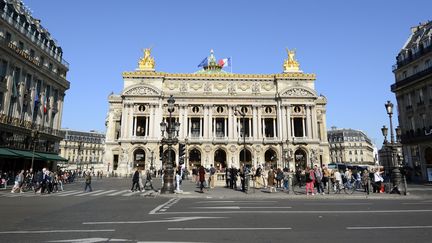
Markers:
290,64
146,63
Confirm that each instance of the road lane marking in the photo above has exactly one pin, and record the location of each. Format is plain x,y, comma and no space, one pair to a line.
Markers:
225,229
235,207
117,193
305,212
54,231
390,227
104,192
173,219
170,202
336,204
237,201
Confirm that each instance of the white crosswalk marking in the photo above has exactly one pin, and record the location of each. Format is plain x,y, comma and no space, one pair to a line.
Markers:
69,194
104,192
117,193
78,193
87,193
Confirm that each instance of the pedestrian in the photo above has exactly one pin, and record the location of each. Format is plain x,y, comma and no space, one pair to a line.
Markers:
201,175
365,181
279,178
326,176
88,182
19,181
286,179
338,181
212,176
135,180
310,180
318,179
378,179
271,180
140,182
148,180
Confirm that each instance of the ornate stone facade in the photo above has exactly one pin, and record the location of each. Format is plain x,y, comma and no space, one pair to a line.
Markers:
278,118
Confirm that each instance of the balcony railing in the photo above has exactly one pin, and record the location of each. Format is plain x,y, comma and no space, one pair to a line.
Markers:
29,35
411,78
17,122
21,52
419,135
412,57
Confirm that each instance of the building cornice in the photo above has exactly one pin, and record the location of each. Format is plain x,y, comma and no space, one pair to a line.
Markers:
147,74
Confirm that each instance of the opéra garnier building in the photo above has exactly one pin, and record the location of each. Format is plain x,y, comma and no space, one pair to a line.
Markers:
279,119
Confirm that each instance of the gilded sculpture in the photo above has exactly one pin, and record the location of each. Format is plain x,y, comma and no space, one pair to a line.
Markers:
146,63
290,64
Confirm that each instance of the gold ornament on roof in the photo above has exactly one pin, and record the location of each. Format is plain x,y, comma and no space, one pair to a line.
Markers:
290,64
146,63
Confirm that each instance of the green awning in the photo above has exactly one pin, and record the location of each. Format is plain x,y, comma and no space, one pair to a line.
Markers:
4,152
51,157
25,154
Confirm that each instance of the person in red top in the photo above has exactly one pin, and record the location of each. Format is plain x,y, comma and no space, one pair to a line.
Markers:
310,181
201,175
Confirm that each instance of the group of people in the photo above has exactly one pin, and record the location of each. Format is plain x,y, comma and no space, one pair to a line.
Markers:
43,181
137,180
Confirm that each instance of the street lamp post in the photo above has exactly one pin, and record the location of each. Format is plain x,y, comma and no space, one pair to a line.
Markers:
393,148
243,130
34,136
171,128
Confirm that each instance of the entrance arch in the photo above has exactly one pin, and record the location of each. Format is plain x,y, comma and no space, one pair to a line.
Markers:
270,158
220,159
139,159
194,158
300,159
248,160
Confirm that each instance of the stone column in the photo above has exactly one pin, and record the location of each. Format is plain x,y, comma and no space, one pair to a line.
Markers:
230,123
288,120
283,122
314,122
250,127
134,126
304,127
259,122
308,121
255,122
225,127
274,128
206,121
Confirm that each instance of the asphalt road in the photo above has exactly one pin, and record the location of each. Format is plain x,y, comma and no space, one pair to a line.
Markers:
111,214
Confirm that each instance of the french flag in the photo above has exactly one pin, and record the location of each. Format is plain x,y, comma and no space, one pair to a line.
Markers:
226,62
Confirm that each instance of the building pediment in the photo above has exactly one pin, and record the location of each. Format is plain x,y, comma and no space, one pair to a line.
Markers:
298,92
141,90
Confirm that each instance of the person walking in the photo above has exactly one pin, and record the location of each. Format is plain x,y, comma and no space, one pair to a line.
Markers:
378,179
201,175
135,180
318,179
310,180
271,180
88,182
365,181
148,180
212,176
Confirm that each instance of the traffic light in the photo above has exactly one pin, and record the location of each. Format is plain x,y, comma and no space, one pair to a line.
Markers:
182,150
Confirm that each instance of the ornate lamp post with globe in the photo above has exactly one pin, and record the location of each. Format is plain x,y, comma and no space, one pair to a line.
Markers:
169,131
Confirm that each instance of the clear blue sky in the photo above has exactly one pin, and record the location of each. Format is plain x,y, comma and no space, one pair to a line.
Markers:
350,46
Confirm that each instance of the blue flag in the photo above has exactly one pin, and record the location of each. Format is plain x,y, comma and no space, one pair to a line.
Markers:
204,63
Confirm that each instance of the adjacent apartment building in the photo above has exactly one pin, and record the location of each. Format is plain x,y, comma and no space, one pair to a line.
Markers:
413,90
350,146
83,150
32,90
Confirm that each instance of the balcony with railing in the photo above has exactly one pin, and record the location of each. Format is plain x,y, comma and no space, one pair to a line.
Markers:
418,135
411,79
31,36
412,57
28,125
